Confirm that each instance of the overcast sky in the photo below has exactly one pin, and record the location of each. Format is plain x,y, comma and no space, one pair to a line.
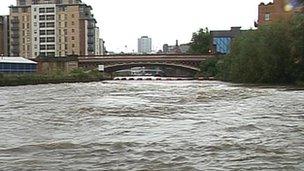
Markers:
122,22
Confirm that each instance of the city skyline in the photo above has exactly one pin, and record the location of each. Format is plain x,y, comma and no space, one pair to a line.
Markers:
163,21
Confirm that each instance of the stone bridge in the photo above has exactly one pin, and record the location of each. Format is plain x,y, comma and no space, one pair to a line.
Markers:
113,63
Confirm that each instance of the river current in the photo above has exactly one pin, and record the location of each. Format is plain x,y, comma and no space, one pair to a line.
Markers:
151,125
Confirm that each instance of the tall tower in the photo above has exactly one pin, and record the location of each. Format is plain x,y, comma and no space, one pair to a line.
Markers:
52,28
4,36
144,45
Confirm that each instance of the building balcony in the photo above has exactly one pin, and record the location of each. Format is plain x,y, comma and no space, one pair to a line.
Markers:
15,43
91,48
15,20
14,36
91,33
15,50
15,28
91,41
91,26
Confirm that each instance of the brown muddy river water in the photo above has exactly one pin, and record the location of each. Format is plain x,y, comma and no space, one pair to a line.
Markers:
151,125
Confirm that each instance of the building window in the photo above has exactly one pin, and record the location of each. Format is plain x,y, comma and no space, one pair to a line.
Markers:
50,10
51,47
15,10
42,47
73,23
73,38
42,25
50,24
51,39
42,32
222,44
41,10
42,39
42,17
73,30
267,16
50,17
73,15
51,54
22,2
50,32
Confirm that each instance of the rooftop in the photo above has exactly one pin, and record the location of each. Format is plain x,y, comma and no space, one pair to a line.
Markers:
22,60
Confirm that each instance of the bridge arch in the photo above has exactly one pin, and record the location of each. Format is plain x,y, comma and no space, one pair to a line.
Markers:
118,67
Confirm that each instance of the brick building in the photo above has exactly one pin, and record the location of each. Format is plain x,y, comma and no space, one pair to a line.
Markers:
278,10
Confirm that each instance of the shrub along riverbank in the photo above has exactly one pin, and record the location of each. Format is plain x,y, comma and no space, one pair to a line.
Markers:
272,54
77,75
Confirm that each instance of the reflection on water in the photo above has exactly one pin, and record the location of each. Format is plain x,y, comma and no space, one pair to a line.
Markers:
151,125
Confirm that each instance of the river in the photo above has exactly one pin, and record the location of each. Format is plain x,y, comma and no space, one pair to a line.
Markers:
151,125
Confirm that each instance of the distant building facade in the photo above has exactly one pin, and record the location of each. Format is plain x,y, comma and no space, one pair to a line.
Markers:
102,47
144,45
52,28
278,10
222,39
176,49
4,31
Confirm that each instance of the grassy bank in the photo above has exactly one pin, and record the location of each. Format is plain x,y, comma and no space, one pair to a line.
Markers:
54,78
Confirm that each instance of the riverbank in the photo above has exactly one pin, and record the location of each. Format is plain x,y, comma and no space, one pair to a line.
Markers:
55,78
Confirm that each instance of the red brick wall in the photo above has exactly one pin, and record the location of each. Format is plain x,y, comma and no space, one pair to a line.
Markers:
276,11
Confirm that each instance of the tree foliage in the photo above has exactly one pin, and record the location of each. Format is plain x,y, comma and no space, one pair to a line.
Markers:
272,54
200,42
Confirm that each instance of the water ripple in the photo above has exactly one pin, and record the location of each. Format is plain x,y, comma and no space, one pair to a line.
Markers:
158,125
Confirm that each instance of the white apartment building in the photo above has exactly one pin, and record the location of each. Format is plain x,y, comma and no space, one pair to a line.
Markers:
144,45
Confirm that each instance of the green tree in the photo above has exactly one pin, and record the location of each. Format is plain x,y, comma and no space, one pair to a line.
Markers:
200,42
272,54
298,46
209,68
